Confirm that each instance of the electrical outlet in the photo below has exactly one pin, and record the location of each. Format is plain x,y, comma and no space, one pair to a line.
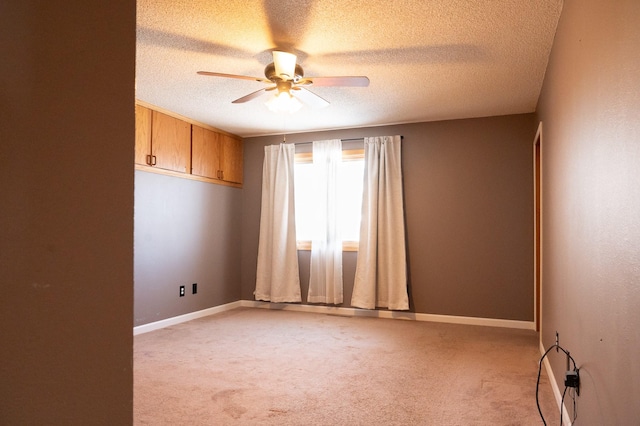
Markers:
194,288
181,291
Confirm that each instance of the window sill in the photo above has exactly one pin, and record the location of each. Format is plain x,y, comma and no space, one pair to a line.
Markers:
346,245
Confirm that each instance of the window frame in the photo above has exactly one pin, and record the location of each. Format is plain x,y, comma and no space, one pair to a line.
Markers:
347,155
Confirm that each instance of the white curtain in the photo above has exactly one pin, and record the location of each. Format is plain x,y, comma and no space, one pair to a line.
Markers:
277,277
381,269
325,278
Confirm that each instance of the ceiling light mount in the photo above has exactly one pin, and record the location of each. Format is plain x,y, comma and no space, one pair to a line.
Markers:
285,64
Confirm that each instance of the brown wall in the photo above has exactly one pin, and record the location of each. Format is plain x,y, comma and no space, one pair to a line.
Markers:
185,232
469,210
66,191
590,108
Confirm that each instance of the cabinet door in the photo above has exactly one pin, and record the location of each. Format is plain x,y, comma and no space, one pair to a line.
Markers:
231,159
171,142
143,134
205,153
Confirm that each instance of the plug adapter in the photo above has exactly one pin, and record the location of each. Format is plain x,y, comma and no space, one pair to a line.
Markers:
572,380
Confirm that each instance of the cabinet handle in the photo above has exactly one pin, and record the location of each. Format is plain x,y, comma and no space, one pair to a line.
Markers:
222,174
153,160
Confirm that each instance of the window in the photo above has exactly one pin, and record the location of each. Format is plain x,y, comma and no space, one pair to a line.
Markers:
351,175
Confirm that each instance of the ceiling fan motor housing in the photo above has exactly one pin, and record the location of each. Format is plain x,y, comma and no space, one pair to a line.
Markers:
270,73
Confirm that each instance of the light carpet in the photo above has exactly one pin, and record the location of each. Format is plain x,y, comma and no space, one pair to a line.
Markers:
254,366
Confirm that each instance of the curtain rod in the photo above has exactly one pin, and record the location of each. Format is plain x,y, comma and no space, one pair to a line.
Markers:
343,140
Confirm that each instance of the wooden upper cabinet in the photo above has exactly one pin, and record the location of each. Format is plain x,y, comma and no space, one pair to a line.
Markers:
170,143
231,160
143,135
216,155
205,153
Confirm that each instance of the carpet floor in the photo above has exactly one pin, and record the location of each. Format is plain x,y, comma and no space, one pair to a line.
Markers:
254,366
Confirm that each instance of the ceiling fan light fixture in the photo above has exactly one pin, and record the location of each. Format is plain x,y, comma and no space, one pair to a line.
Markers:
286,75
283,102
285,64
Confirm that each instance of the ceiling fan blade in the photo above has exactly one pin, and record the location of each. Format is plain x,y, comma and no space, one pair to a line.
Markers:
309,98
249,96
240,77
344,81
285,64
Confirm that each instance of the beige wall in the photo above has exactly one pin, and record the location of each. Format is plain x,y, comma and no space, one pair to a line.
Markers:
469,212
66,191
590,108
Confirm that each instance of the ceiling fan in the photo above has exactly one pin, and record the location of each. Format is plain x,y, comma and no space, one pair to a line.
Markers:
287,77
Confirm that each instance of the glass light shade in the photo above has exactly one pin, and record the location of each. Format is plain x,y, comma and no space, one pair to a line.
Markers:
283,102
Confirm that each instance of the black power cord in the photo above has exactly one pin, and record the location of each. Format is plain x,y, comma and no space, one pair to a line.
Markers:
572,380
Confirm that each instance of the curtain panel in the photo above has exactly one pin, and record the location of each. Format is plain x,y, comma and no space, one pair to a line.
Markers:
325,278
381,269
277,275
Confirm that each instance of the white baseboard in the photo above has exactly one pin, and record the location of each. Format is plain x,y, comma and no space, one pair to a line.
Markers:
554,385
333,310
145,328
355,312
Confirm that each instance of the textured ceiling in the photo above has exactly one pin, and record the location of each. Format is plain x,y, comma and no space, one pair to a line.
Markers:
426,60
